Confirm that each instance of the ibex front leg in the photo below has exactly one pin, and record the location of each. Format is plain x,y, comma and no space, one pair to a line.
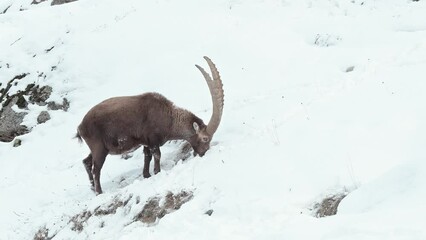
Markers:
148,157
157,155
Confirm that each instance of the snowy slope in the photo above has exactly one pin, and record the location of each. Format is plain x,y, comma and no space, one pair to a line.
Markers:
320,96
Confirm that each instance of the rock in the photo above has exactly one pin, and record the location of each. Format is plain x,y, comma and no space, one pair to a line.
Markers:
350,69
35,2
5,10
42,234
79,221
55,106
36,95
328,206
112,207
17,142
10,124
4,91
59,2
209,212
157,207
21,102
39,95
43,117
150,211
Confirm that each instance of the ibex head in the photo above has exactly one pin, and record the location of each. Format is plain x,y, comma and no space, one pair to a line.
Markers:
200,142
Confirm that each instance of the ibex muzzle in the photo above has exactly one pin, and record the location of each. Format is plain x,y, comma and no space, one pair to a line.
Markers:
122,124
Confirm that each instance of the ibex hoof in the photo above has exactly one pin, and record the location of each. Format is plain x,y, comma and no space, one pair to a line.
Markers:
146,175
97,190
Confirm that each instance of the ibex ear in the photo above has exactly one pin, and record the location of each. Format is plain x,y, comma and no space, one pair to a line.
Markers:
196,127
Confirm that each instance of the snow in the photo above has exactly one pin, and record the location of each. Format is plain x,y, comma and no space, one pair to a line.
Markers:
320,97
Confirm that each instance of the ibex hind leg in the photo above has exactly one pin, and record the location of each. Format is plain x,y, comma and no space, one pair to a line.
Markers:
98,161
88,164
148,157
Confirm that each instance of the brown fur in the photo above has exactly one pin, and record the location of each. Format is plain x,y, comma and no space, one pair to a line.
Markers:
122,124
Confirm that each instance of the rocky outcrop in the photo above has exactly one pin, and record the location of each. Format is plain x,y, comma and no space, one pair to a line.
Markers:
13,7
58,2
328,206
11,120
157,207
128,207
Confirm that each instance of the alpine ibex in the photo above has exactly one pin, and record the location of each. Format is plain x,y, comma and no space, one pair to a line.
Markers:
122,124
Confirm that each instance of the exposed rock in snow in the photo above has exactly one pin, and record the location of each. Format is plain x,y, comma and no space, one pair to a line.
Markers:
55,106
58,2
153,209
328,206
43,117
158,207
17,142
17,5
10,124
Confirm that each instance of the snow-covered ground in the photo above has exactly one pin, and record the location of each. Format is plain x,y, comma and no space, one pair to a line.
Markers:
321,97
